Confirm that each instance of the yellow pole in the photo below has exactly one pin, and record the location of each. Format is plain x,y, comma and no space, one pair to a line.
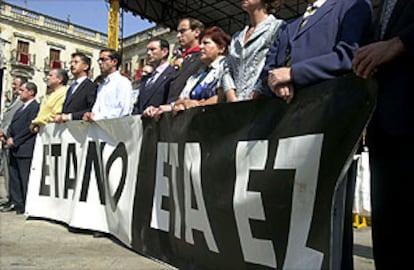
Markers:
113,24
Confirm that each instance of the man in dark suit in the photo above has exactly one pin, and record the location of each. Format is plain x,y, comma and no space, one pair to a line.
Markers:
318,46
189,31
20,142
154,89
81,96
389,58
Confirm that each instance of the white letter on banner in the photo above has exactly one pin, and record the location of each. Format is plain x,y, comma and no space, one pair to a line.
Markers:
159,217
174,165
303,155
251,155
195,219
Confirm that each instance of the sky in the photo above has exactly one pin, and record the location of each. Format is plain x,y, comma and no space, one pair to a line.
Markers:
92,14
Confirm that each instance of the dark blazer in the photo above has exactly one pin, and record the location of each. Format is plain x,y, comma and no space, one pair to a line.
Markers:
191,65
19,130
82,100
324,47
156,93
395,110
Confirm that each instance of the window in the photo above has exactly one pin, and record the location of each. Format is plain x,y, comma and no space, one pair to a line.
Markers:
23,56
54,56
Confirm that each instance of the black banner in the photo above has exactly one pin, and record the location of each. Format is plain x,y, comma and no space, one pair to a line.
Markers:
249,185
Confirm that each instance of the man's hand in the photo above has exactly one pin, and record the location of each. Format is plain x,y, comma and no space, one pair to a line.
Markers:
368,58
88,116
34,128
10,142
61,118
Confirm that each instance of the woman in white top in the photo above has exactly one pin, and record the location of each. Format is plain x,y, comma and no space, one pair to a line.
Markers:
201,88
248,48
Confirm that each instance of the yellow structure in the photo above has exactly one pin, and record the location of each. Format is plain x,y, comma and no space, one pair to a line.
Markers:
113,24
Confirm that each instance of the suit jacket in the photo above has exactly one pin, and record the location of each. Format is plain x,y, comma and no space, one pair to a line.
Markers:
82,100
19,130
324,47
394,112
156,93
8,114
191,65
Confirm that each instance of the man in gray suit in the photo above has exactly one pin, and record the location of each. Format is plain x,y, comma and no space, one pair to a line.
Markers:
14,105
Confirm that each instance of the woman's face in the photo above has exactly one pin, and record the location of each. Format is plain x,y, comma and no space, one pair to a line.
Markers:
209,50
250,5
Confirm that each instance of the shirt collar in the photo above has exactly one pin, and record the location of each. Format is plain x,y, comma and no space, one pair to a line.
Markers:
191,50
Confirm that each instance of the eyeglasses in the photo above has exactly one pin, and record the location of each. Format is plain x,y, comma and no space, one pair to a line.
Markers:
103,59
182,31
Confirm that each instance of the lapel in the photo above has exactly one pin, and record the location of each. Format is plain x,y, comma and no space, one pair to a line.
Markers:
317,16
148,91
398,9
78,90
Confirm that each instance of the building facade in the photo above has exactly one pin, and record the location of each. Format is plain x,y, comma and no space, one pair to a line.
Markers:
32,43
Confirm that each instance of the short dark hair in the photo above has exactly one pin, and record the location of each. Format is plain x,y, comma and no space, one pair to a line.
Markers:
164,44
84,59
61,73
194,24
113,55
31,86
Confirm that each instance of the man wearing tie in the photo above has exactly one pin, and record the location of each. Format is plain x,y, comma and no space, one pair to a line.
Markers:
81,95
389,58
20,142
154,89
315,47
319,46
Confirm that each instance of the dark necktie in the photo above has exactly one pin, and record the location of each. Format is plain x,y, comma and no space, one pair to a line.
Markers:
69,94
386,15
151,79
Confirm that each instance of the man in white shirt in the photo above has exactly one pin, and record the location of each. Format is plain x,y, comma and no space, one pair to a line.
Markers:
114,96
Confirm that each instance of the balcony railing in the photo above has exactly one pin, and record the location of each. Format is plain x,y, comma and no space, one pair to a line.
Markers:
49,64
22,59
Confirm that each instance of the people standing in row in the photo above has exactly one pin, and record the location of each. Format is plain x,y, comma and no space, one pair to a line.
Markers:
389,58
14,105
52,103
114,95
248,50
154,89
20,141
189,32
201,88
81,95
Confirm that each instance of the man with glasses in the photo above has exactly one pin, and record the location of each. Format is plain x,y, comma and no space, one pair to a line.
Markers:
81,96
189,31
114,96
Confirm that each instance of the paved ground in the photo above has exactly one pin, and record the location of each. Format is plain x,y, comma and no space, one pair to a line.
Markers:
38,244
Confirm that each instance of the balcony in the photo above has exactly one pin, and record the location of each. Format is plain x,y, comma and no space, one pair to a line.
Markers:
50,64
22,59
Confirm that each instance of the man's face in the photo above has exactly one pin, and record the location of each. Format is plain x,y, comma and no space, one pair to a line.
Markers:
16,86
154,53
78,67
107,65
52,80
186,37
25,94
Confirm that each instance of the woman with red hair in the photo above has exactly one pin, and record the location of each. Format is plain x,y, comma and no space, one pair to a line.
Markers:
201,88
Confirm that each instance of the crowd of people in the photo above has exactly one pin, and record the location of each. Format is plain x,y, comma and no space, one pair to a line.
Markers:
268,57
